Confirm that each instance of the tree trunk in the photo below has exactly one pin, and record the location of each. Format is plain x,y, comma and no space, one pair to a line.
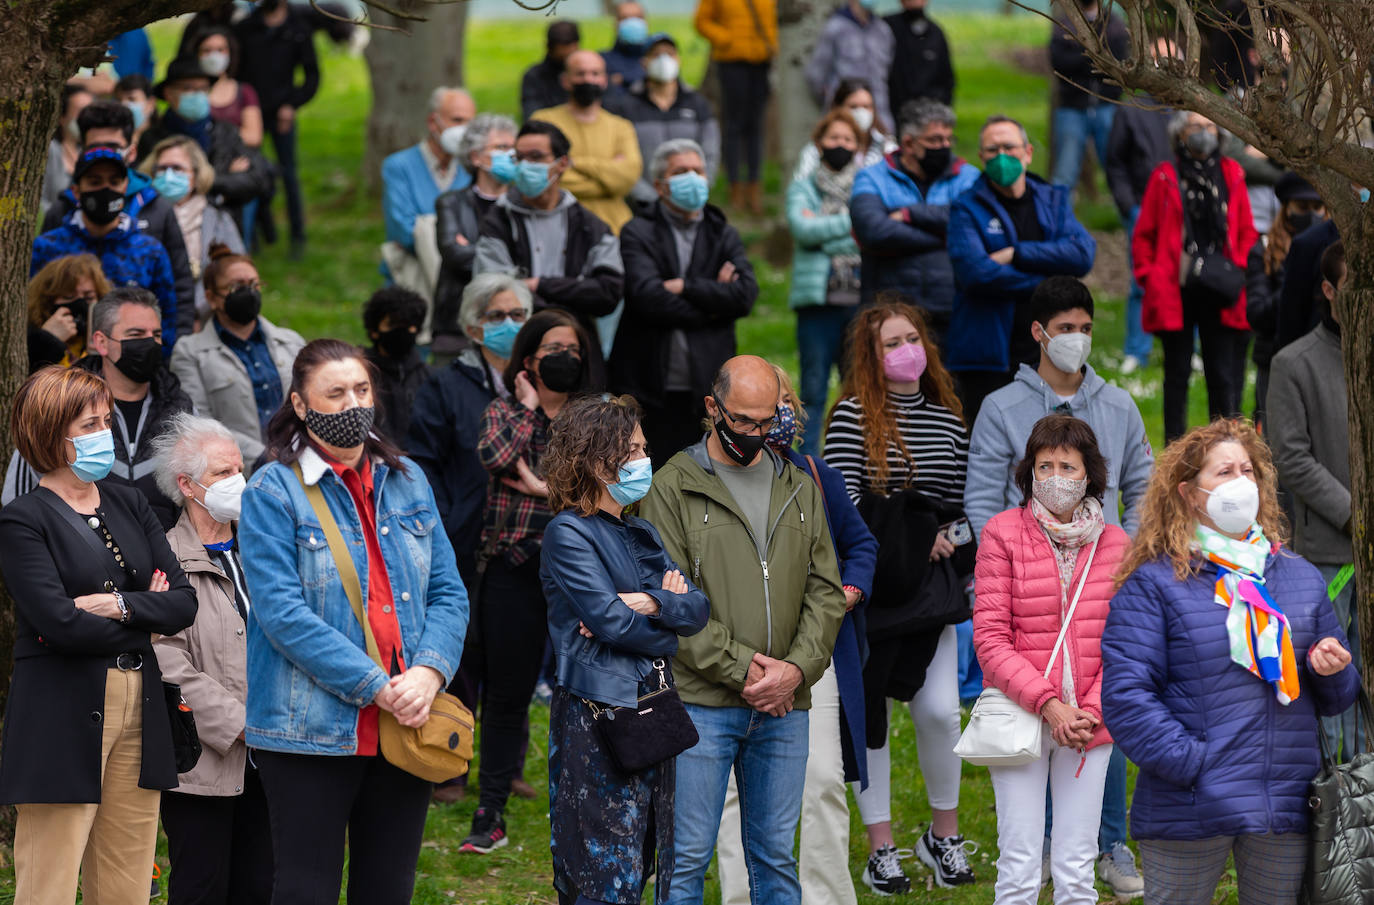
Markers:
405,68
1355,311
799,25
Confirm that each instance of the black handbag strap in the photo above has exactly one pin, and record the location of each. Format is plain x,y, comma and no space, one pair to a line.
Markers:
75,522
1188,237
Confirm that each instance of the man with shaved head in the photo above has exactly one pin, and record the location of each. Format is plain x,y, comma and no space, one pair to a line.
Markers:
752,529
605,161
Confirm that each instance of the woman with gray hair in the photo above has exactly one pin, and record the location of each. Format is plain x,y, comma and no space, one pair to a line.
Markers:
487,152
218,836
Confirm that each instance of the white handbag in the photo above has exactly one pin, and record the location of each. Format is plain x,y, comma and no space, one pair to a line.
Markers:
1000,732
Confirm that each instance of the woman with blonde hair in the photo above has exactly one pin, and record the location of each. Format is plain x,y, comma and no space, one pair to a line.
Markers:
897,435
1220,652
182,174
60,300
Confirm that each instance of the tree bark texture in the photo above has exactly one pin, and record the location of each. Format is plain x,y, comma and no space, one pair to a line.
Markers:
405,68
799,25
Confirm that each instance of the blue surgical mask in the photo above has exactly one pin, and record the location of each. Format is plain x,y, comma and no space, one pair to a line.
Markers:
633,31
635,478
172,184
500,338
531,179
193,106
138,111
95,455
689,191
503,166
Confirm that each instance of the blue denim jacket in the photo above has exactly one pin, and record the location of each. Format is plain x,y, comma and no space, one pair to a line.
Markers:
585,563
308,668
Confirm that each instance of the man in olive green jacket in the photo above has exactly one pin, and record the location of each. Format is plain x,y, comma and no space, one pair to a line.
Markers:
750,528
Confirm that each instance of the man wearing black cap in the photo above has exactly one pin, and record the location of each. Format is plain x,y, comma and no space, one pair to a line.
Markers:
542,85
240,173
101,226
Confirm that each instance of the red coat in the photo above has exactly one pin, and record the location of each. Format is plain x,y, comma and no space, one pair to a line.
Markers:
1158,244
1019,610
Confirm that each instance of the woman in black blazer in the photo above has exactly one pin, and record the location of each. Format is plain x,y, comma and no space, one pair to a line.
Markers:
87,744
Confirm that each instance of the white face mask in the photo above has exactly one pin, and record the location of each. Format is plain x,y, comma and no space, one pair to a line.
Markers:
863,118
1232,506
450,138
663,68
214,63
1069,351
222,498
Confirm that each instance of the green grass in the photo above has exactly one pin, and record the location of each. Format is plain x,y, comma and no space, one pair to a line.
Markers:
323,296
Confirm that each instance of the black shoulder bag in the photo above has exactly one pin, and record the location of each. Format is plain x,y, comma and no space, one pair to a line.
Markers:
1211,278
657,728
186,746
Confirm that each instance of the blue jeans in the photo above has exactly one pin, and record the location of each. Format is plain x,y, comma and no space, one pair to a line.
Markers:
820,343
768,756
1111,829
1138,342
1073,128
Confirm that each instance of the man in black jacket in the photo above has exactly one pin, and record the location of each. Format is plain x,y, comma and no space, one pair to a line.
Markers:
1138,143
241,173
110,124
275,41
920,60
542,85
537,232
687,280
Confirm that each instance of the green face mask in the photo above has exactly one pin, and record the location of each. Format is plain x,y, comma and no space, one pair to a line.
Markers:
1003,170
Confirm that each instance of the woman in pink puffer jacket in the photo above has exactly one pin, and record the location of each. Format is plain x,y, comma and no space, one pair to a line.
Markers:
1030,562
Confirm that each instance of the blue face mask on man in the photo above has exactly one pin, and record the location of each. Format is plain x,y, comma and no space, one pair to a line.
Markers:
531,179
95,455
193,106
689,191
633,31
636,476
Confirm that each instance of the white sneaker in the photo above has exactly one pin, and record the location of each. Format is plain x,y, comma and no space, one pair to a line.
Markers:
1197,364
1130,364
1117,869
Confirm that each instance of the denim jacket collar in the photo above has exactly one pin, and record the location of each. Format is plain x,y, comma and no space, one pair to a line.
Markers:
314,467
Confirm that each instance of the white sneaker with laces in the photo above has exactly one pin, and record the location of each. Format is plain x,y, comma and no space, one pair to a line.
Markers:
1117,869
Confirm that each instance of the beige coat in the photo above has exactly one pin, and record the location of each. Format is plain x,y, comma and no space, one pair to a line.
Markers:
218,384
209,661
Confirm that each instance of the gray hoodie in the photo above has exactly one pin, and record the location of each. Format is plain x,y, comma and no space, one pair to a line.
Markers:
1004,424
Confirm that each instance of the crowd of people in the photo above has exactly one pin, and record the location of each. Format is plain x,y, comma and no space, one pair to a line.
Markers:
549,468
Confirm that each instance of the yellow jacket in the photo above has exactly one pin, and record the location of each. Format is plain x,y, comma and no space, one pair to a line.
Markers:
605,162
734,33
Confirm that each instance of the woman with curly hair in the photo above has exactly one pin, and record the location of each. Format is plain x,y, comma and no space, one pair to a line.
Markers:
60,298
617,605
1220,652
898,426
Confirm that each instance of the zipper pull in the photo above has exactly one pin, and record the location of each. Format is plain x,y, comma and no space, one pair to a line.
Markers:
696,570
764,563
803,515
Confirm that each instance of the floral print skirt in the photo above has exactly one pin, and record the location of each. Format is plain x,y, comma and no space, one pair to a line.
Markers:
611,831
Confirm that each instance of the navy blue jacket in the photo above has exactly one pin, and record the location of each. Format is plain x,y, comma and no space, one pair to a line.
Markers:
445,421
587,562
981,335
1218,754
857,549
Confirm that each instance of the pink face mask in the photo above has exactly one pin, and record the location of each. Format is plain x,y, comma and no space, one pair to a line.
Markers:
906,363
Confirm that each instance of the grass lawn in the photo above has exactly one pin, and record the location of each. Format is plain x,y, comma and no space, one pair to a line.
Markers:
323,296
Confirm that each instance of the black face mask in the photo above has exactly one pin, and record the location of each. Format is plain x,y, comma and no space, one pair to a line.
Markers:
342,430
79,309
102,206
561,372
584,94
741,448
242,305
837,158
139,359
935,162
1300,222
911,15
398,343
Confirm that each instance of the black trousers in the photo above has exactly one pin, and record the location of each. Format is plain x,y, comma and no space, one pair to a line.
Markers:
673,426
743,99
1220,345
316,800
975,386
514,627
220,847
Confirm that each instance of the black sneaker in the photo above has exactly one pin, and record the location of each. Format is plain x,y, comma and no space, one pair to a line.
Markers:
488,833
947,857
883,874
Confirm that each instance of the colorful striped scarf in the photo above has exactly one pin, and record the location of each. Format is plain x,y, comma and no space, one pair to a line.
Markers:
1261,638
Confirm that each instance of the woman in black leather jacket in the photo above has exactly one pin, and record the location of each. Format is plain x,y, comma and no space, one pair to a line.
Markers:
485,152
617,605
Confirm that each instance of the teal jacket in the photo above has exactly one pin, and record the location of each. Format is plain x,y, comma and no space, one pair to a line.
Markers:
814,240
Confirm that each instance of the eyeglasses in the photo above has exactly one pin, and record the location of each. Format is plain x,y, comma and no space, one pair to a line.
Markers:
747,425
258,285
495,317
936,142
555,348
1001,149
533,156
90,298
